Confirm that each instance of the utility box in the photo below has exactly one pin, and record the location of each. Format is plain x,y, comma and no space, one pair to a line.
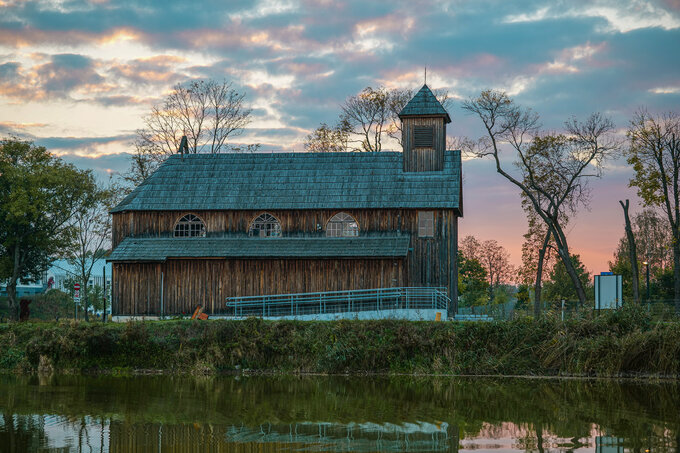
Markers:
608,291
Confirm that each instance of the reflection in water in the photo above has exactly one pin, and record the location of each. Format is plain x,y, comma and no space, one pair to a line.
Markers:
179,414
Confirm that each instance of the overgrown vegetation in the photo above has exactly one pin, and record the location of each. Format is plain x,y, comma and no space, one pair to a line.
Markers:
624,342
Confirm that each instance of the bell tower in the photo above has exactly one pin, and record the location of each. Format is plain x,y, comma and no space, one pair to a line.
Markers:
423,132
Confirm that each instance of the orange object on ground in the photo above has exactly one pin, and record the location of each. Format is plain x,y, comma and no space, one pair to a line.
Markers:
197,312
203,316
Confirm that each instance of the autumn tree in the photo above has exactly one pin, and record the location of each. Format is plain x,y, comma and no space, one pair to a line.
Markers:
653,240
654,153
39,196
329,139
551,170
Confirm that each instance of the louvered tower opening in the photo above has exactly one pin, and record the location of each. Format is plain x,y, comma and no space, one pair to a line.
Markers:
423,132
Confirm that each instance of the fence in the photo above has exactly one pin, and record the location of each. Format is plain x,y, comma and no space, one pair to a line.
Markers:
660,309
492,311
336,302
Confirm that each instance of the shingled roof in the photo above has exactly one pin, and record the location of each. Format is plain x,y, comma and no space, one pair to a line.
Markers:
160,249
259,181
424,103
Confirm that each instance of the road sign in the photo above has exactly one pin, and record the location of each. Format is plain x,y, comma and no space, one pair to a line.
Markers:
76,292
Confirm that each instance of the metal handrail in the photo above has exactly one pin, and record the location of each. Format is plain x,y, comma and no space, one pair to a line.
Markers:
351,301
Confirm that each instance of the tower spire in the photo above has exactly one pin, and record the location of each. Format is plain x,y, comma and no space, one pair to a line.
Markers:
426,75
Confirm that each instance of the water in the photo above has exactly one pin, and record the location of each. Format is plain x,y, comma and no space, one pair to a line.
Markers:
248,414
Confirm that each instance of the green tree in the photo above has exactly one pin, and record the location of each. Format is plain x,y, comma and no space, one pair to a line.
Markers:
523,297
39,195
473,285
560,287
654,153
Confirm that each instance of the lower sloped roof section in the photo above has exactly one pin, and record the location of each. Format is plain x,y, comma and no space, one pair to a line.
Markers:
161,249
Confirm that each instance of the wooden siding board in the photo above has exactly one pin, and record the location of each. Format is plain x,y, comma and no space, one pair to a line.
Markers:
191,281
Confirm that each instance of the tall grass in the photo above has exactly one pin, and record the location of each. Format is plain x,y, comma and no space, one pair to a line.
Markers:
625,342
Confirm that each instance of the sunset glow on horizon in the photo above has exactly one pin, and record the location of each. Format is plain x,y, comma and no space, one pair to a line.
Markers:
77,76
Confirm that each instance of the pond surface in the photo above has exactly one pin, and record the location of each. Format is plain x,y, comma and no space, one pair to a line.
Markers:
285,413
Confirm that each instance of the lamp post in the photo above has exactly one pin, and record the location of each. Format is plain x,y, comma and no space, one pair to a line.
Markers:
646,263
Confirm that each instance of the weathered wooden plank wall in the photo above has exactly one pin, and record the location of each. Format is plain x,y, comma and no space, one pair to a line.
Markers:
430,262
423,159
188,283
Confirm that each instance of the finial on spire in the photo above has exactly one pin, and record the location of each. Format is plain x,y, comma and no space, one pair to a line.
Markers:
426,75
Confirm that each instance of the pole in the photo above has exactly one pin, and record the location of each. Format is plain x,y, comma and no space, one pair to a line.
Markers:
647,264
161,295
104,287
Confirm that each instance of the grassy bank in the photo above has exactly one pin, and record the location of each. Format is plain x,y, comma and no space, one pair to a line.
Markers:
615,344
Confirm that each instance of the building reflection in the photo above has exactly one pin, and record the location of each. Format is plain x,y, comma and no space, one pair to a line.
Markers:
301,436
608,444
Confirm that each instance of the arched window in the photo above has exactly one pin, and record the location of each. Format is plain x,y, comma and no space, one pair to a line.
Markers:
342,225
265,225
189,226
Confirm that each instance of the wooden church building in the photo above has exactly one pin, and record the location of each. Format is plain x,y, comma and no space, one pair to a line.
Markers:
206,227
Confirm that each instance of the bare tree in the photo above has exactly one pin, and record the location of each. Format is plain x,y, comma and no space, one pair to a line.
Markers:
492,256
471,248
142,164
553,169
93,235
368,116
632,251
496,261
654,152
367,119
207,112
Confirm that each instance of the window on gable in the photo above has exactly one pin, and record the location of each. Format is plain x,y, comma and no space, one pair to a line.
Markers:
265,225
423,137
342,225
189,226
426,224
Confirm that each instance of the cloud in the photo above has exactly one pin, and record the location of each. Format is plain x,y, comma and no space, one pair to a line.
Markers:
85,146
59,78
157,70
621,17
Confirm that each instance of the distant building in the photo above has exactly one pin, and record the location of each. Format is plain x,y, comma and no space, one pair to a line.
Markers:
62,273
206,227
59,275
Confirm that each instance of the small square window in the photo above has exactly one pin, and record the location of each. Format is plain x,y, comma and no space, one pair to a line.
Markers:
426,224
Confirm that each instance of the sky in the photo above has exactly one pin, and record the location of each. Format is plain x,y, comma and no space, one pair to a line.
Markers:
78,76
